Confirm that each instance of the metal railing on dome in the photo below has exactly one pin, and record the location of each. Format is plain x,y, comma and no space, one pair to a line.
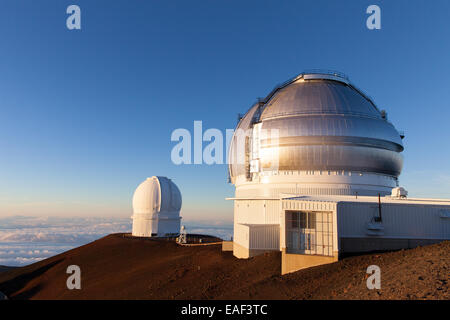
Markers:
326,71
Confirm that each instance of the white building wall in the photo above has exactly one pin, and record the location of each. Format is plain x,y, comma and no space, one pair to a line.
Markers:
324,183
249,211
257,211
411,221
256,224
264,237
143,225
168,226
272,211
241,235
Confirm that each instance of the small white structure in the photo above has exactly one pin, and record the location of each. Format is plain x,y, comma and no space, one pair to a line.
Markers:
182,237
399,192
156,208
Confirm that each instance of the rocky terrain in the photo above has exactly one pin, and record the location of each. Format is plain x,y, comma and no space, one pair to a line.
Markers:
121,267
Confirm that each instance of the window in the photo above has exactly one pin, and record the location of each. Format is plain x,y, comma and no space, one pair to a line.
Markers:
304,220
309,232
307,220
294,220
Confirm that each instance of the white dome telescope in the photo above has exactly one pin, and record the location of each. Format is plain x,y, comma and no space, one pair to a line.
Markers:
156,208
331,140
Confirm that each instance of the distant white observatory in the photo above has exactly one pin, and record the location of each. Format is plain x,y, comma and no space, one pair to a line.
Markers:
156,208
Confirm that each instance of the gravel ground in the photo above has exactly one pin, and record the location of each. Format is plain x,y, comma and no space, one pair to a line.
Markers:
117,267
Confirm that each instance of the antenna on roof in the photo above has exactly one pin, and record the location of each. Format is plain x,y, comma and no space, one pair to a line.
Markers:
239,117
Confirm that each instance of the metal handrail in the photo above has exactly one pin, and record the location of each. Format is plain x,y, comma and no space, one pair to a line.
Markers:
326,71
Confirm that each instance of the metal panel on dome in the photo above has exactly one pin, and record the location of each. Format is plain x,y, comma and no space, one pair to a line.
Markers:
236,158
333,157
170,195
334,126
146,198
322,123
318,97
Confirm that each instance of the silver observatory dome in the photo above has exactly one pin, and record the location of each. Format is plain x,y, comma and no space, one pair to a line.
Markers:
324,126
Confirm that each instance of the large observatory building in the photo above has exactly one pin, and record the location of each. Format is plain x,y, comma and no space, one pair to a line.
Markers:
316,165
156,208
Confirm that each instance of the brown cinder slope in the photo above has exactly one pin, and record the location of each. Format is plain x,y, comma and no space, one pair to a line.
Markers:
118,267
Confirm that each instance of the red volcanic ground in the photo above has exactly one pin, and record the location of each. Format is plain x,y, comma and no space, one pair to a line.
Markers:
121,267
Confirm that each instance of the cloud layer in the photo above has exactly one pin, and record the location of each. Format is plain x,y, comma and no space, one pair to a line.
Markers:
25,240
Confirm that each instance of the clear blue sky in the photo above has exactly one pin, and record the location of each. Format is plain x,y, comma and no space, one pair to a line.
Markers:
86,115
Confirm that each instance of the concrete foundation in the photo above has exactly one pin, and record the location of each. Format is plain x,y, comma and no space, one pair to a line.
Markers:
245,253
227,245
294,262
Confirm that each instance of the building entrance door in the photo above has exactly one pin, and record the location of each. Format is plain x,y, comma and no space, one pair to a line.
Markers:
309,232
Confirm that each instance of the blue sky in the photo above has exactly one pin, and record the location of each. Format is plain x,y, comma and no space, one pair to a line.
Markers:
86,115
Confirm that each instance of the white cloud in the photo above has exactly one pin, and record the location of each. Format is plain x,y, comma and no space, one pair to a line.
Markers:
25,240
